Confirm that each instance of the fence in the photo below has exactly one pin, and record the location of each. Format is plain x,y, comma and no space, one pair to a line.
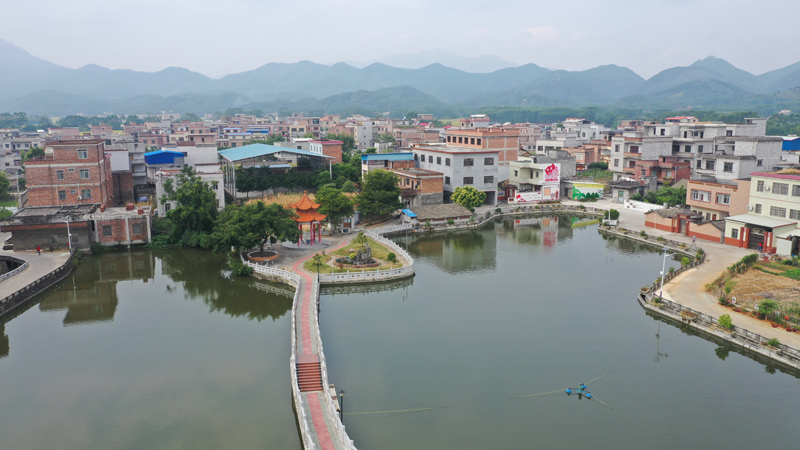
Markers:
19,269
16,299
303,420
696,319
736,335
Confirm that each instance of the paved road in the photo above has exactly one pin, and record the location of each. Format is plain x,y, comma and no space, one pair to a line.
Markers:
38,266
688,288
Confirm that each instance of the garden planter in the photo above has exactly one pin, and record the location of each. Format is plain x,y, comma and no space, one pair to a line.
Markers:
266,255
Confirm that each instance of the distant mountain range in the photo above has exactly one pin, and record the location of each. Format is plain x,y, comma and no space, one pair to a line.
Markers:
36,86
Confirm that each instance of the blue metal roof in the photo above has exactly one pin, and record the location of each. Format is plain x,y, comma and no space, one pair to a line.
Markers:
164,152
256,150
388,157
409,213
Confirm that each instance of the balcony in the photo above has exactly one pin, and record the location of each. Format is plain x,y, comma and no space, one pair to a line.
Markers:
635,155
629,169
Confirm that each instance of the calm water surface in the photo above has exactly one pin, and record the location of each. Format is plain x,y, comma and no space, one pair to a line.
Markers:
150,350
524,308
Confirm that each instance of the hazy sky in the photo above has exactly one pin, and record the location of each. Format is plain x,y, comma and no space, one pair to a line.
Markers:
221,37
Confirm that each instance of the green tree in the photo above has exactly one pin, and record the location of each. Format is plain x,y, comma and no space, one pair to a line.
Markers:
194,218
33,152
348,142
334,204
4,185
386,137
725,321
469,197
380,193
253,225
191,117
361,239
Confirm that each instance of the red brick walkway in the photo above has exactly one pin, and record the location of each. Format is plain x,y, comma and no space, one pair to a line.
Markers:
318,411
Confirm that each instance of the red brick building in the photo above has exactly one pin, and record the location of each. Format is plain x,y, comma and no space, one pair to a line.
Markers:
667,169
328,148
504,140
420,187
73,172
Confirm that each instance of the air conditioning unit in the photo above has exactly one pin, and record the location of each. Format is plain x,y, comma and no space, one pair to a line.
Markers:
80,198
766,188
749,208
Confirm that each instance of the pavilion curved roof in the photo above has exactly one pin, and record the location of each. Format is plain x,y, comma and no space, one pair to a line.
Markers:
304,204
309,216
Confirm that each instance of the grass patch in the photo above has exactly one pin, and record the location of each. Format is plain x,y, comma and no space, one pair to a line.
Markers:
585,223
4,203
379,251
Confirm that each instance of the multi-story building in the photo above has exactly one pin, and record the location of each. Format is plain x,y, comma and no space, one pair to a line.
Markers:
330,148
773,215
71,172
718,199
531,181
386,161
420,187
666,169
463,165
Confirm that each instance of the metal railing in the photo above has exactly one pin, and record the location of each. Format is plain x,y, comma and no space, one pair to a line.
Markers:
19,269
13,300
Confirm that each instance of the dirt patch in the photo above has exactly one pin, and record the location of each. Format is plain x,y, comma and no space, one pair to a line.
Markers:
755,285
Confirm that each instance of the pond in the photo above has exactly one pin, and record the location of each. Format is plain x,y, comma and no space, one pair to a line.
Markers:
532,306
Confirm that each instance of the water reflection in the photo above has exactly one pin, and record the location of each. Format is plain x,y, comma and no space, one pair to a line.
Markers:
89,294
3,341
458,251
334,290
200,275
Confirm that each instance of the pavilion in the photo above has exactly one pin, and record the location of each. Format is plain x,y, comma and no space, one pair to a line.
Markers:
306,211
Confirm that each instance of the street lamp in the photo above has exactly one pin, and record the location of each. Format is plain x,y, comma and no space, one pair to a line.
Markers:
341,404
663,268
69,235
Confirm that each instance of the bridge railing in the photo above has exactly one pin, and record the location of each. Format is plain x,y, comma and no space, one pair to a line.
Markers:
19,297
19,269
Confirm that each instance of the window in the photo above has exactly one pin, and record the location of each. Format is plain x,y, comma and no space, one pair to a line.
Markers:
701,196
616,163
616,148
59,174
723,199
780,188
469,162
488,161
727,167
687,148
796,190
760,186
416,157
136,228
167,207
467,180
758,208
106,230
709,165
86,193
479,141
447,161
663,130
699,164
729,133
446,180
516,173
83,154
775,211
699,149
760,162
430,158
472,141
85,174
488,179
439,160
62,195
735,233
794,214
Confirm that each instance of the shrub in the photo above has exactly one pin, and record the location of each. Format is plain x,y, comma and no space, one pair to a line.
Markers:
749,260
685,261
660,239
766,306
161,241
725,321
671,269
642,233
498,210
613,214
450,221
729,285
391,257
428,224
774,342
237,266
